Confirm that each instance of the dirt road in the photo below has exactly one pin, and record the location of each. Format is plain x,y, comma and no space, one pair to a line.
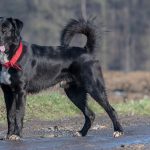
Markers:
57,135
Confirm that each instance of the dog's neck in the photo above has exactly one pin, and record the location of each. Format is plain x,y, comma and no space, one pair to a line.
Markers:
9,60
6,56
12,49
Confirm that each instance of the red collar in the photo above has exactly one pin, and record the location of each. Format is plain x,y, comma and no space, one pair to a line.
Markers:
15,58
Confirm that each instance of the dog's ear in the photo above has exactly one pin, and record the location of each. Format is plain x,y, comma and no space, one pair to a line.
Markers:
18,24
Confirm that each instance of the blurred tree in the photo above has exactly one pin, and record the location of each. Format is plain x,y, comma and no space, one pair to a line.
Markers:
83,9
125,45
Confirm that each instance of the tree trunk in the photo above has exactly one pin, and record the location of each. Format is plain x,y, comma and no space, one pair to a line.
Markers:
83,9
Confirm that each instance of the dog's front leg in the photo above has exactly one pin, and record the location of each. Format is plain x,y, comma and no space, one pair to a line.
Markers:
15,105
10,108
20,110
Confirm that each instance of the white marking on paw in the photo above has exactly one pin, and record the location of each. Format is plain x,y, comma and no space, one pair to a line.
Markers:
78,134
117,134
13,137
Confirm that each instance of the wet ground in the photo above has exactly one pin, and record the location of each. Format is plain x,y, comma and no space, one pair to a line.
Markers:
58,135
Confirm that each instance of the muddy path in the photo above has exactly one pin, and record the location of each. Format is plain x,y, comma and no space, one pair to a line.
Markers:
58,135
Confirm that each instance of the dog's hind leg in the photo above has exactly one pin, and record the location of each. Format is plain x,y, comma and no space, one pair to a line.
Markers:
101,98
96,88
77,95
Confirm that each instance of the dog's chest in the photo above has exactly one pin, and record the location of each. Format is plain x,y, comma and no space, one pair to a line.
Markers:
4,74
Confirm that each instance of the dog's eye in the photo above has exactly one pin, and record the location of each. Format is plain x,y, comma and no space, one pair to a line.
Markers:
4,30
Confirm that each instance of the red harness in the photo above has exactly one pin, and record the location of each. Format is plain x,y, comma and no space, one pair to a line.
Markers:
14,59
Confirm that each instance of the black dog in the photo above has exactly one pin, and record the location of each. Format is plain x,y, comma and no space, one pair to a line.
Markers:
30,68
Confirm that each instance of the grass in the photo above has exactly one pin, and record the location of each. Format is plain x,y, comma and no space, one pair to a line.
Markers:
49,106
141,107
53,105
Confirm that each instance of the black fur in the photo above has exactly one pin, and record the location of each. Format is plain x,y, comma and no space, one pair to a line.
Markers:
44,66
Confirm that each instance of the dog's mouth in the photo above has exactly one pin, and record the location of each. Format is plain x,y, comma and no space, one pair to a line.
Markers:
2,49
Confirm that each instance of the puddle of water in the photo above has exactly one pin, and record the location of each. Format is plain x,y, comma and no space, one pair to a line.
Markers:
95,140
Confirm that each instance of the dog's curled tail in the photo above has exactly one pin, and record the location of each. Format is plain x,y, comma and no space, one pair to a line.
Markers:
82,27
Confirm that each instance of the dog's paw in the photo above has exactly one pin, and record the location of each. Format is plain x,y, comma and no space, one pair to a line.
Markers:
116,134
13,137
77,134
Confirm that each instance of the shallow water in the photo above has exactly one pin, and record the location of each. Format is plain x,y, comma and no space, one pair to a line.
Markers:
96,140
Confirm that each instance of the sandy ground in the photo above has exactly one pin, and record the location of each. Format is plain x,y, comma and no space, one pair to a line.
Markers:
58,135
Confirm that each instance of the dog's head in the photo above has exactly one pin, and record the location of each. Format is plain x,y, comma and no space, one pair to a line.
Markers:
9,32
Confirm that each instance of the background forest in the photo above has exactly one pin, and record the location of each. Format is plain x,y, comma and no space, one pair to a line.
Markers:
125,26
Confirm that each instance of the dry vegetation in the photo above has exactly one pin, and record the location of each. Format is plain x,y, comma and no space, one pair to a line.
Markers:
122,87
127,86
